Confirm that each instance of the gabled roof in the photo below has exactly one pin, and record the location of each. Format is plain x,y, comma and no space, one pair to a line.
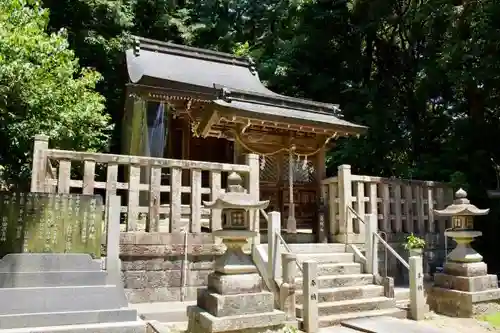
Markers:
152,59
228,80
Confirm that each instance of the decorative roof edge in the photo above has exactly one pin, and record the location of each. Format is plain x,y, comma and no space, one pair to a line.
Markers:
228,94
142,43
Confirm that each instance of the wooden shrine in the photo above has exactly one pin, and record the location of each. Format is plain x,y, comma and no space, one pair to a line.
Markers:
195,104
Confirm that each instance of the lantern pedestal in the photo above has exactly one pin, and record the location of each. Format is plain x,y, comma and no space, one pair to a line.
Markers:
463,289
463,252
234,260
465,285
234,301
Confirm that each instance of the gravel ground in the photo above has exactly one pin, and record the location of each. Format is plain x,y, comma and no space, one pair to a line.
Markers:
459,325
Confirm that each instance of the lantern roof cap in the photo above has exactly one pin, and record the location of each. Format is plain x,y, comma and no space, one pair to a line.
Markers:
236,197
461,206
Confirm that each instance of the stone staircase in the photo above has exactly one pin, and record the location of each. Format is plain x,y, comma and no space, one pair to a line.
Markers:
61,293
345,292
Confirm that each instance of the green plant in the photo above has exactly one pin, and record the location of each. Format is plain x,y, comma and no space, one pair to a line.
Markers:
414,242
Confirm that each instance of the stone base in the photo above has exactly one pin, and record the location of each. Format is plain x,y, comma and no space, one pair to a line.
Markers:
466,283
465,269
233,305
456,303
234,284
201,321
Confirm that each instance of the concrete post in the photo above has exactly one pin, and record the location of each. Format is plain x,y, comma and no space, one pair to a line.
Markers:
371,244
287,289
417,296
388,283
253,187
345,227
310,295
113,265
273,245
39,163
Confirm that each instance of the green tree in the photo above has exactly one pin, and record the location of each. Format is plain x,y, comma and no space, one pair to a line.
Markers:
43,90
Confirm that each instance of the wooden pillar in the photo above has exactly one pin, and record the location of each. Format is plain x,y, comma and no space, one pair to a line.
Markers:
186,148
322,230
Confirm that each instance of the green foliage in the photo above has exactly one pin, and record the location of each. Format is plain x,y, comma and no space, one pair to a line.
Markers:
414,242
43,90
422,75
493,319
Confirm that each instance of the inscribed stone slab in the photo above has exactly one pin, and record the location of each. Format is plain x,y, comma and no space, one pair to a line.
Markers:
50,223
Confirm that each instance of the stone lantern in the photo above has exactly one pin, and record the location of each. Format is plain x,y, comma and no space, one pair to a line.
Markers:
465,285
462,214
236,205
235,287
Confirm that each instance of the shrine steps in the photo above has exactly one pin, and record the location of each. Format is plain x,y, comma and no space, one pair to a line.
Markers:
43,319
52,279
345,291
122,327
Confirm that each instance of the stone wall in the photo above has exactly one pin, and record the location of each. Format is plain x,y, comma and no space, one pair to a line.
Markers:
155,269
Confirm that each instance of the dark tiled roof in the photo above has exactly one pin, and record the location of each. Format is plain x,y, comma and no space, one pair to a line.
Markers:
191,66
297,110
233,80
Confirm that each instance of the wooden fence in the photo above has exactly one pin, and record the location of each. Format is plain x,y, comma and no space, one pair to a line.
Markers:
157,194
402,206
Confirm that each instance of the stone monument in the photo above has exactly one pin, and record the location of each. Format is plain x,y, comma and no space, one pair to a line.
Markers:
465,284
235,300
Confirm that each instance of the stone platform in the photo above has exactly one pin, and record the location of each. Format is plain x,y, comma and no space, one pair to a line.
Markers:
463,289
234,303
61,293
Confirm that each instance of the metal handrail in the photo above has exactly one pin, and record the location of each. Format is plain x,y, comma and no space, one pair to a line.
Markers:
392,251
263,212
289,250
383,234
349,208
384,242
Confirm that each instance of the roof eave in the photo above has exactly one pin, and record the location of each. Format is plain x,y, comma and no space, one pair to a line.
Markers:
344,129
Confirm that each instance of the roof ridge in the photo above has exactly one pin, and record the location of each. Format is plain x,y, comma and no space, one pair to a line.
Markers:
228,94
191,52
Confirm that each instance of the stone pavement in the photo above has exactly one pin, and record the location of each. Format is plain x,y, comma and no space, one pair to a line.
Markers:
384,325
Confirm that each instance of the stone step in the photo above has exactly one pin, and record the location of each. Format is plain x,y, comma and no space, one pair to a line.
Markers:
326,258
346,280
402,293
48,262
24,320
179,327
337,329
123,327
336,319
164,312
51,279
344,293
337,269
388,324
353,305
317,248
55,299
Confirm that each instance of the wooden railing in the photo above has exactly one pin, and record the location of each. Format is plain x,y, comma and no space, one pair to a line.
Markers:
400,205
157,194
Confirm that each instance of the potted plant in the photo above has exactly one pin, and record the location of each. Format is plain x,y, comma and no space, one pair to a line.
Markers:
415,245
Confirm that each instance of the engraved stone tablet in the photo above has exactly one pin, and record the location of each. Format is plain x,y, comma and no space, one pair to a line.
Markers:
50,223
